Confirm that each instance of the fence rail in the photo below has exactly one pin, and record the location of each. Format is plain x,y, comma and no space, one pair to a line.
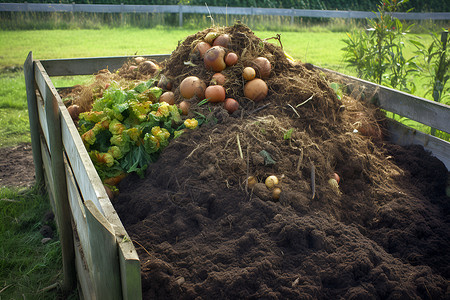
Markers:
218,10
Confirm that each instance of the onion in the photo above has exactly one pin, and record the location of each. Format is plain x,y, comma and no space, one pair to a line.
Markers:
231,59
251,181
336,177
271,181
256,89
202,47
165,83
215,93
139,59
218,78
148,67
167,97
184,106
74,111
222,40
132,68
211,36
109,192
249,73
276,193
192,86
231,105
262,67
214,59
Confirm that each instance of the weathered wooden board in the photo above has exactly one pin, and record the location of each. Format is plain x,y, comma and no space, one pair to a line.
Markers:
431,113
33,116
86,287
86,176
90,65
78,214
102,238
406,136
46,165
130,271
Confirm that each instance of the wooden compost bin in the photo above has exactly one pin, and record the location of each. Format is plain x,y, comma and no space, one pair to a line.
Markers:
94,241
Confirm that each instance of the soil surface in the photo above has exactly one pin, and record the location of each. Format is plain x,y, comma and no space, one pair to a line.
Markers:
16,166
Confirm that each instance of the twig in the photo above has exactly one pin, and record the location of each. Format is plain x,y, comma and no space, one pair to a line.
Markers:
3,289
209,16
49,288
294,110
195,149
277,37
313,180
9,200
304,102
239,146
300,160
134,241
259,108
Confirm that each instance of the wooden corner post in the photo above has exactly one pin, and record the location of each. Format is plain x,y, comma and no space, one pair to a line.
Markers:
62,206
30,83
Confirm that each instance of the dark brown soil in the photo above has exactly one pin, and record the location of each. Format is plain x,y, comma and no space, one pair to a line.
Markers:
16,166
202,233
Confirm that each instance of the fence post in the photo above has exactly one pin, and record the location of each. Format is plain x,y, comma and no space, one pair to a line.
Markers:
292,15
121,14
180,15
63,213
33,117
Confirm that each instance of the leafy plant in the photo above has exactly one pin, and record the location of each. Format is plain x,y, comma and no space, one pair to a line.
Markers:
127,129
434,63
377,52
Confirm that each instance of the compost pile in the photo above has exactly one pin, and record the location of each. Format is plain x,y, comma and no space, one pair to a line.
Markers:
356,218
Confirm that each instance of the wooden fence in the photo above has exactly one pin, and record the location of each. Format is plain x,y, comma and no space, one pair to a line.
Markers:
93,239
214,10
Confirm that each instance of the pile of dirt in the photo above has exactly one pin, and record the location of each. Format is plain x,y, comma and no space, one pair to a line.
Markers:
201,232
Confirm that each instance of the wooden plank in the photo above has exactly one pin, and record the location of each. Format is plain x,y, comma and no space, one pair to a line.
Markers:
106,270
406,136
83,169
431,113
62,212
47,166
84,276
33,117
78,215
130,271
42,118
89,65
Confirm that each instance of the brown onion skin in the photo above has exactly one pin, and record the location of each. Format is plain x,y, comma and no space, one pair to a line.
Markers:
222,40
202,47
231,59
262,67
184,106
192,86
167,97
74,111
148,67
218,78
214,59
231,105
256,89
249,73
215,93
